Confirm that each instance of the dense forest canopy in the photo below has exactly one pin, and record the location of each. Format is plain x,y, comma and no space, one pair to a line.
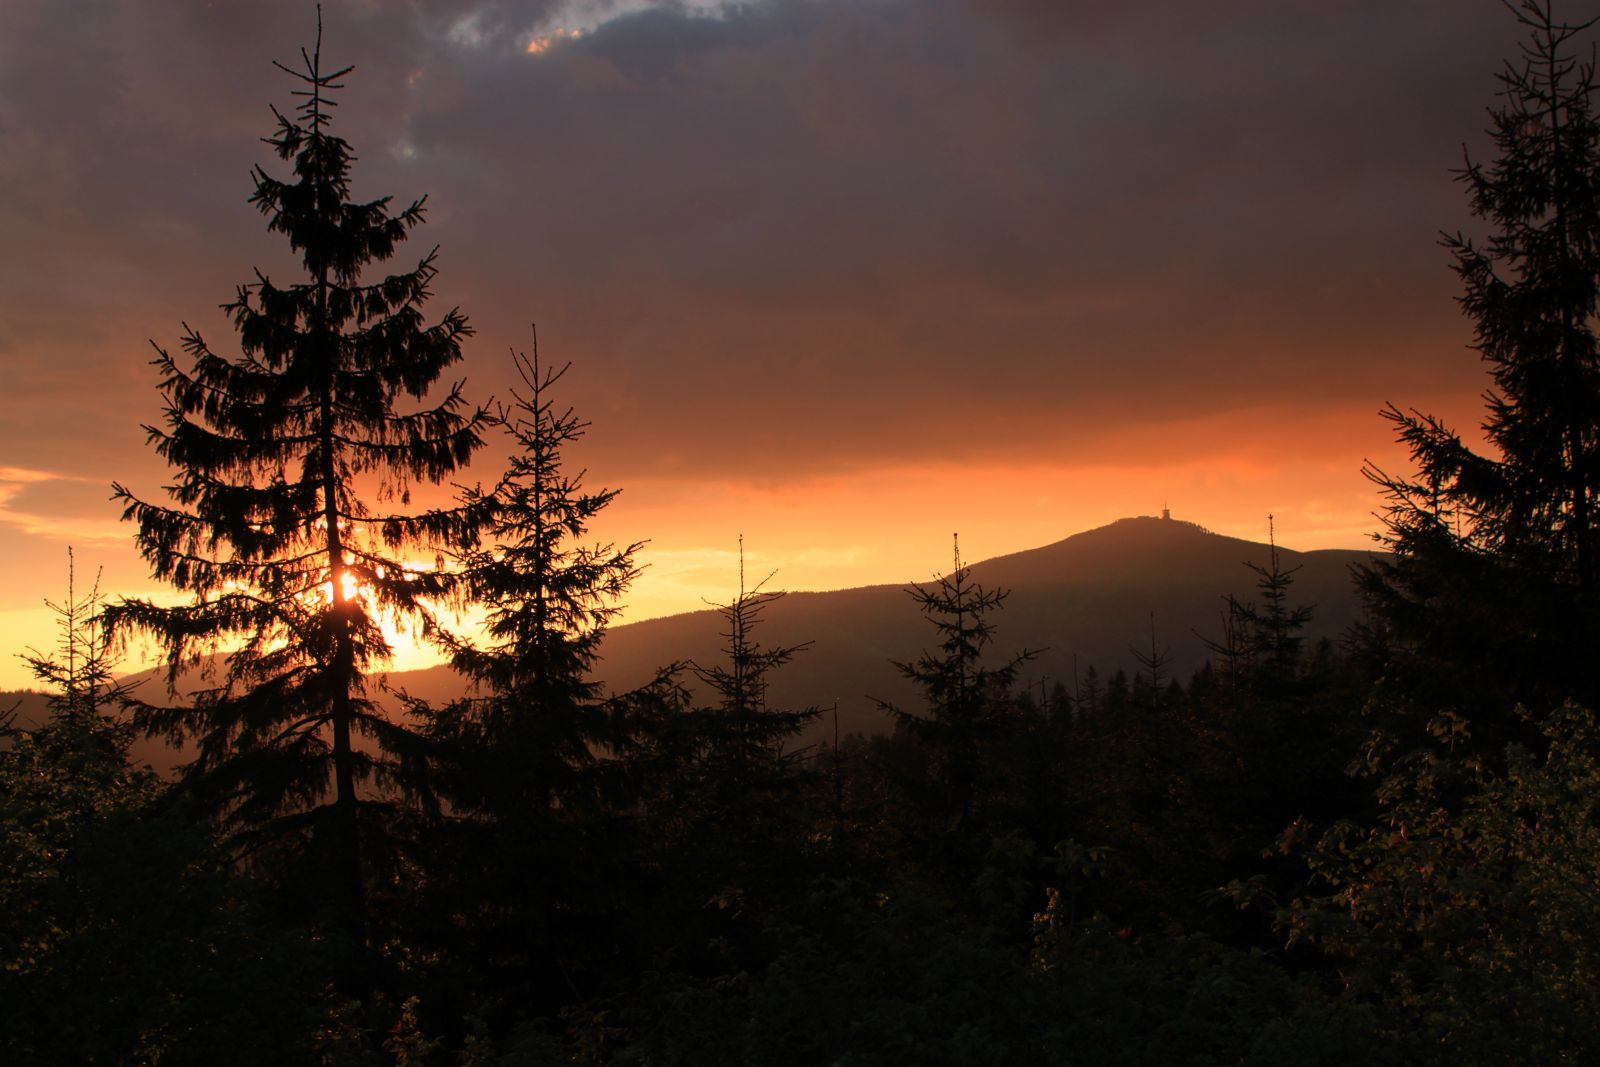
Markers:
1383,848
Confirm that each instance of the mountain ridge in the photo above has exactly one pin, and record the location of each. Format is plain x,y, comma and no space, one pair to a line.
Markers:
1084,601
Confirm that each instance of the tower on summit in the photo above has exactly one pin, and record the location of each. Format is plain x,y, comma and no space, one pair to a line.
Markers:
1166,512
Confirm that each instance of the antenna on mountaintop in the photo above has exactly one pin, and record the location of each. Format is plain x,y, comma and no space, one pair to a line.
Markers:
1166,512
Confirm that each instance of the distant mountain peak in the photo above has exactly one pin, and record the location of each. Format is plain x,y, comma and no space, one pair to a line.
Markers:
1164,521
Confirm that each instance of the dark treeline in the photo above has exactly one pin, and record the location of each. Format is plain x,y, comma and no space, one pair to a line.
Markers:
1382,851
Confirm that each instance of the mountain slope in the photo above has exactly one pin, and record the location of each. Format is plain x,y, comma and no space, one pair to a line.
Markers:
1085,601
1082,601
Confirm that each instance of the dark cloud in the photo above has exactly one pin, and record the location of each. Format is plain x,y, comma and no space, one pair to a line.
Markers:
833,231
833,273
859,212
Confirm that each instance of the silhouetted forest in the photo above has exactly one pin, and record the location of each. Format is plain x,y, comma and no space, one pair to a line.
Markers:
1383,848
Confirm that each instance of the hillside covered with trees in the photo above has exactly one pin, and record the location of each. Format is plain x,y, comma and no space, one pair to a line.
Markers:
1373,841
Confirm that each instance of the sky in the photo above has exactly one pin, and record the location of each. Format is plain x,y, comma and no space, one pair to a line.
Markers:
839,276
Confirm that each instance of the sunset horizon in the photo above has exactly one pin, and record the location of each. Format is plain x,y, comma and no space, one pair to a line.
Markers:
677,582
787,532
893,310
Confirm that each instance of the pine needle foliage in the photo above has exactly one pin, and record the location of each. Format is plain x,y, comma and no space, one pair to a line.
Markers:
1495,581
288,567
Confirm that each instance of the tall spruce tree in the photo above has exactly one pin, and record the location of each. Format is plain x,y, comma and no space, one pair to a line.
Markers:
733,807
965,699
1493,593
1262,644
525,865
530,741
288,567
721,771
749,734
539,716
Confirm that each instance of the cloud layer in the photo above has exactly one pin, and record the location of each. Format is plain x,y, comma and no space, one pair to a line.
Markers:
784,240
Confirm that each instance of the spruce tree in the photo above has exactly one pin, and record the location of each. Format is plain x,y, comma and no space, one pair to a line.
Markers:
524,867
965,699
745,801
1492,593
749,735
277,451
725,781
1261,645
80,673
539,715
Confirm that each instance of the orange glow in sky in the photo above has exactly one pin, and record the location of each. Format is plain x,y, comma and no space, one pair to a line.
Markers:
841,277
891,523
